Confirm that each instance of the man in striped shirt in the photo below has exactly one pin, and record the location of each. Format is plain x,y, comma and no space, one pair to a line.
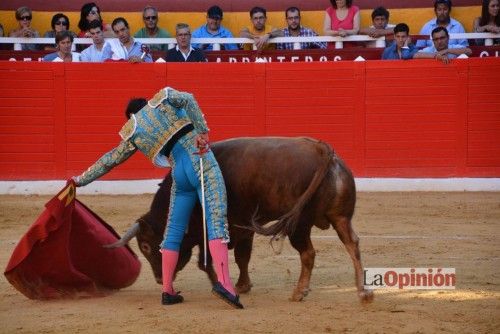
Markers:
294,29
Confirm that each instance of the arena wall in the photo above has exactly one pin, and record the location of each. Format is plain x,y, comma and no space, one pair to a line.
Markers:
385,118
413,12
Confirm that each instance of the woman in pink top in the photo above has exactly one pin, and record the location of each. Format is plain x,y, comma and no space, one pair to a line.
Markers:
342,19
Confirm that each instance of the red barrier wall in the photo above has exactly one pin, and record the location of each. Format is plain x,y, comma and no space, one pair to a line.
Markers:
385,118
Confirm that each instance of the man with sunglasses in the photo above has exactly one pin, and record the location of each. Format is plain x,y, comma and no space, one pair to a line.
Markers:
23,17
441,49
151,29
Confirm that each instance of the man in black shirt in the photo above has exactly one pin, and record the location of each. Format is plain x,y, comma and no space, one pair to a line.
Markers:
183,51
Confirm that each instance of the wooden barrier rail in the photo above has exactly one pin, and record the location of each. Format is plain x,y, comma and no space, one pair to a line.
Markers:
486,38
385,118
277,56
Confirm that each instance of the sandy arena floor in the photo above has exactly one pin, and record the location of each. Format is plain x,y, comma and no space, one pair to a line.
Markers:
458,230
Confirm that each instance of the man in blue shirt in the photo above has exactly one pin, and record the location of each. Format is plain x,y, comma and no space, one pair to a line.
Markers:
213,29
99,51
401,48
442,50
126,48
442,8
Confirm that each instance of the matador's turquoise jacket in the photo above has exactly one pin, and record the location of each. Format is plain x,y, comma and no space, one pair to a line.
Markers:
149,130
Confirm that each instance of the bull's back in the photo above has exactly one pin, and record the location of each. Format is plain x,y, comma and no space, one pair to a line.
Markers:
268,173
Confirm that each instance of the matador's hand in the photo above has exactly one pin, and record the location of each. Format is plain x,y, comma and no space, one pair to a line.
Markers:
75,180
202,142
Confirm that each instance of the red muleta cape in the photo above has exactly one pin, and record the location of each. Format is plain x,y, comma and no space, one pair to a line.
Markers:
62,254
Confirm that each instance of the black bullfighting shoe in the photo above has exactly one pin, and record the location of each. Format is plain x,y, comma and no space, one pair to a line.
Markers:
221,292
168,299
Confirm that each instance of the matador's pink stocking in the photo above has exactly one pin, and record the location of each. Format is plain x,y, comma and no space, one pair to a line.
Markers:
168,263
219,251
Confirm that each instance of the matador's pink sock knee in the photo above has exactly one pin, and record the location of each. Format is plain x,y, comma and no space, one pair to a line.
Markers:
219,251
168,263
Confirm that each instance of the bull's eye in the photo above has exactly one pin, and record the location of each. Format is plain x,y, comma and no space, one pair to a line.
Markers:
145,248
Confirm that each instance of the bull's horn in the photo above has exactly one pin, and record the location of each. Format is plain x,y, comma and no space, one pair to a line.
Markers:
126,237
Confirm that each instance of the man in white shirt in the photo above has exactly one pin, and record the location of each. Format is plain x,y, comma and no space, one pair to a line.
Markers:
126,47
100,50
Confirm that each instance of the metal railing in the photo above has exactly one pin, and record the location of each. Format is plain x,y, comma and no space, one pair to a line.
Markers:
339,41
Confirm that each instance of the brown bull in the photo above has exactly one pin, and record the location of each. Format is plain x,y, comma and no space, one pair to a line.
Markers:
296,182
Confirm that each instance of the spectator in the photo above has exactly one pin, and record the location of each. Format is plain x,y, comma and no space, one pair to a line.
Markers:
401,48
341,19
4,46
24,17
151,29
292,15
380,27
442,50
260,32
64,42
184,51
213,29
60,22
489,21
126,48
100,50
90,12
442,8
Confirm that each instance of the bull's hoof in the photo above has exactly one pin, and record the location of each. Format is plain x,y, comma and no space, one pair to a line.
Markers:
366,296
298,295
243,287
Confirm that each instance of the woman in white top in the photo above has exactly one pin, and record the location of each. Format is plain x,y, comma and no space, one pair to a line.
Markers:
64,42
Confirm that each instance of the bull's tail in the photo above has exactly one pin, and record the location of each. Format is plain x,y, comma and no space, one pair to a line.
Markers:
286,224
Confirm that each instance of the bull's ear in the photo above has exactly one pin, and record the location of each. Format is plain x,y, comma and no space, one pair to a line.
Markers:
145,248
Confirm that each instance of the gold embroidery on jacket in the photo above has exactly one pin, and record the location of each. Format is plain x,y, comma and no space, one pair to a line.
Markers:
158,98
128,129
